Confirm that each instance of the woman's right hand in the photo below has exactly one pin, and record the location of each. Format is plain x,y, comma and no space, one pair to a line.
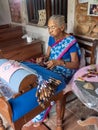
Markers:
39,60
42,61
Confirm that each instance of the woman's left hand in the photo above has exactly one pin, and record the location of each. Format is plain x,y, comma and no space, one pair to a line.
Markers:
52,63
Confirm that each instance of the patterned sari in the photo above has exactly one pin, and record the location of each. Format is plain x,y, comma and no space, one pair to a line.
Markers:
59,50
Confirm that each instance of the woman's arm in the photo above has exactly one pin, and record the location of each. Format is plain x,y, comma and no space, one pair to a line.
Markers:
40,59
73,64
48,52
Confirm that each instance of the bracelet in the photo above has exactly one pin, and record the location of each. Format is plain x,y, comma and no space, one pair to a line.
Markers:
64,63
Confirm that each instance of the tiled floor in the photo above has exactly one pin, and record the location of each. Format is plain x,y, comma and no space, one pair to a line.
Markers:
73,113
75,110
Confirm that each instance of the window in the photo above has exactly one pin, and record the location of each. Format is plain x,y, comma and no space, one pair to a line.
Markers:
51,7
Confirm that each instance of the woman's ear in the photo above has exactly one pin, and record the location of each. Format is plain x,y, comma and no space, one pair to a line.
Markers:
62,28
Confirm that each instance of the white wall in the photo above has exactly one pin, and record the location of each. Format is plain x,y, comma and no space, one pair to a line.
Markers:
4,12
71,16
38,33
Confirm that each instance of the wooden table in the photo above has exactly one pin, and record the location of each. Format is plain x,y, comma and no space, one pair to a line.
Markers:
21,50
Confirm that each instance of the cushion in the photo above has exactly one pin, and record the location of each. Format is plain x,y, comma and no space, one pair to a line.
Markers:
23,104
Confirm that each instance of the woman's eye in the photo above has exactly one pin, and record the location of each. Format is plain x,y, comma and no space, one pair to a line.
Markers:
52,27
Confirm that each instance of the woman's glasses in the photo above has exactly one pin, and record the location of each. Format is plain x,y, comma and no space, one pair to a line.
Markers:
52,27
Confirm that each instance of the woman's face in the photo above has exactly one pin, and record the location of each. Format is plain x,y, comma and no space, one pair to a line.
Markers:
53,28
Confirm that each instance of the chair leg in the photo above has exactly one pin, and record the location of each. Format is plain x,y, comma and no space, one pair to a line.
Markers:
60,110
59,118
1,125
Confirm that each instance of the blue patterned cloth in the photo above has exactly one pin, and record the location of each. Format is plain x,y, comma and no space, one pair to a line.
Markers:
58,49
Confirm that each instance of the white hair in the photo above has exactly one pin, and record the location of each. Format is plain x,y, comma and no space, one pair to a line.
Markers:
60,19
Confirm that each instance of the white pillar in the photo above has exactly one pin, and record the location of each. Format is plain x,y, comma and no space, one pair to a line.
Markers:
71,16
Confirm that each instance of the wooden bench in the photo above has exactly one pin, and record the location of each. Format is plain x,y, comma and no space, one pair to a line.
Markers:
10,34
90,48
22,50
4,26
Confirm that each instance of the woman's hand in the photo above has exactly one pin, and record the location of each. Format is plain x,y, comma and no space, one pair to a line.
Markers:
39,60
52,63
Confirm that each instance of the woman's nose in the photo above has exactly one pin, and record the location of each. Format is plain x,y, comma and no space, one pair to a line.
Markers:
50,30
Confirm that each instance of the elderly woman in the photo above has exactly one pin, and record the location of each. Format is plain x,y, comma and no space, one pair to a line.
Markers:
63,54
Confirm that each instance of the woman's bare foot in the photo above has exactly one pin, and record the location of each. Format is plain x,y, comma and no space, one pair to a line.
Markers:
28,124
45,120
89,121
35,124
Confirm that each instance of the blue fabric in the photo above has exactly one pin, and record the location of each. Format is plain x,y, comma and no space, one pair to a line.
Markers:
27,101
51,41
23,104
46,73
